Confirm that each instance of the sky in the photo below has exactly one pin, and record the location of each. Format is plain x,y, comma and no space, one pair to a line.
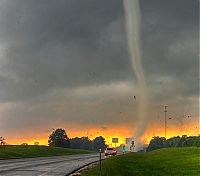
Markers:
65,64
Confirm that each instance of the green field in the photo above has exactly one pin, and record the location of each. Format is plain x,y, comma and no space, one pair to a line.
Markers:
15,151
162,162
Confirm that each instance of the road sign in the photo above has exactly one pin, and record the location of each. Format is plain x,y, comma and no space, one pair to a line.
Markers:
128,140
123,149
114,140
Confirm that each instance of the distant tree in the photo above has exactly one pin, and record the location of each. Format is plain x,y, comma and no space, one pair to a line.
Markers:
76,143
81,143
99,143
2,141
36,143
156,143
59,138
184,141
196,141
172,142
24,144
86,143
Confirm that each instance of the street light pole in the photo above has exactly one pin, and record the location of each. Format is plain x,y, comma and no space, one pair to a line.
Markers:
165,121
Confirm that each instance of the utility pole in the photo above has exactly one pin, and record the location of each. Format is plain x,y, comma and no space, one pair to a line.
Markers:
165,120
100,158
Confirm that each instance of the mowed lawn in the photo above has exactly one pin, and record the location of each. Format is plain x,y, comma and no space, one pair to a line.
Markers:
15,151
162,162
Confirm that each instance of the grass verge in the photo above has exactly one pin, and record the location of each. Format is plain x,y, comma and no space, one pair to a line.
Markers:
16,151
162,162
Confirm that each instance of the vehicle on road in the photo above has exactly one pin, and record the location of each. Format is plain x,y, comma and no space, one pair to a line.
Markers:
110,151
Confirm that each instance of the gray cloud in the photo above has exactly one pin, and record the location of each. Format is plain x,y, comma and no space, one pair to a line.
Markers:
61,44
51,49
170,43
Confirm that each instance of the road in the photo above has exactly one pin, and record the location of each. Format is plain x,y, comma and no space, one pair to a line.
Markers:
45,166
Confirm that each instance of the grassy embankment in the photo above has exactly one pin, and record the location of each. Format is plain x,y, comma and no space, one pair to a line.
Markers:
162,162
15,151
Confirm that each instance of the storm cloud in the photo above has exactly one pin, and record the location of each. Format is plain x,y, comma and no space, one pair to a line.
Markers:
67,61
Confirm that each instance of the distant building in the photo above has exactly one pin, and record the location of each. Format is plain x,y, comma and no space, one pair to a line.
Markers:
130,144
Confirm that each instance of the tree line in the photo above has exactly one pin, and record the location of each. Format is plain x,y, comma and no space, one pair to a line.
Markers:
59,138
183,141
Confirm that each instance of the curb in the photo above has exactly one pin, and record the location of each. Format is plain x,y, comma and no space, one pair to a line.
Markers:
77,169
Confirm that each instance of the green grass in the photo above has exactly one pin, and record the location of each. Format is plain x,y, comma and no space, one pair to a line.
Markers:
15,151
162,162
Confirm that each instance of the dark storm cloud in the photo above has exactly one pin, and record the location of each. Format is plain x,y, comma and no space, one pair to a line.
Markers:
71,43
62,43
170,43
50,46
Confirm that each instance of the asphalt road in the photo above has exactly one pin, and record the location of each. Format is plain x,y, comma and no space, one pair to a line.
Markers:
45,166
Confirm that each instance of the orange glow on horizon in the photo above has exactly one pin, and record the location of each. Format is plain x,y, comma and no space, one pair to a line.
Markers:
172,131
120,132
108,134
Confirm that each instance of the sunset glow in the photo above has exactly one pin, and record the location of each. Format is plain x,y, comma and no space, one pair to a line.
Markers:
119,132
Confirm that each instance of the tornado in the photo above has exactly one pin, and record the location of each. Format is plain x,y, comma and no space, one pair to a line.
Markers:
133,33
